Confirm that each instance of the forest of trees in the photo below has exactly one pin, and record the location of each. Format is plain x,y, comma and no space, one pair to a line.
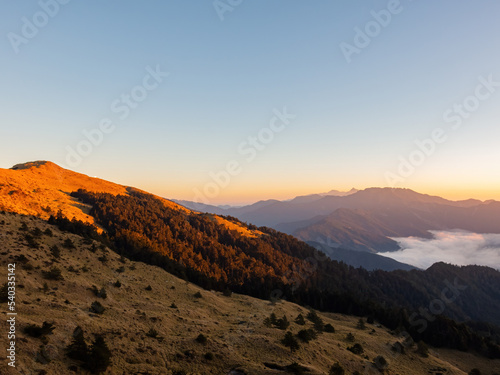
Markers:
195,247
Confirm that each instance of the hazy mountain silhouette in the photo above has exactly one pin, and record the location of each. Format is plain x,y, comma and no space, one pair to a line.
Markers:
366,219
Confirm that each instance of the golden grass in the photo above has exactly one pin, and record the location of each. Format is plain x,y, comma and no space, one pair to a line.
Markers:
234,325
43,188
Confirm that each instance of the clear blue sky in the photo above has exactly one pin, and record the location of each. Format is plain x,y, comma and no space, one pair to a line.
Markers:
354,120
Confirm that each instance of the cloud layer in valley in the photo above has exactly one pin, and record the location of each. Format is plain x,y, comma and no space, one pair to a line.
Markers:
455,247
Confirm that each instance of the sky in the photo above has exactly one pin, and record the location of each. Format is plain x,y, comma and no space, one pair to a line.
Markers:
233,101
457,247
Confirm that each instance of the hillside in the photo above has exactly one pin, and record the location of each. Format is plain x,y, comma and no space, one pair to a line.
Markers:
151,321
223,253
42,188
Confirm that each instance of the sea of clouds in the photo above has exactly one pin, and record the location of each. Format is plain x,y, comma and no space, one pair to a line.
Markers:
455,247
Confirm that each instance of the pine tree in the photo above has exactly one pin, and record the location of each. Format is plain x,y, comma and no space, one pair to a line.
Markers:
78,349
300,320
99,356
290,341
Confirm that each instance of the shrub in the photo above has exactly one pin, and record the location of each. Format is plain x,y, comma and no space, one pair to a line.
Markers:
101,293
361,324
300,320
208,356
53,274
227,293
329,328
120,269
78,349
283,323
380,363
99,356
202,339
97,308
295,368
68,244
398,347
117,284
336,369
198,295
307,335
173,305
32,243
422,349
39,331
48,233
149,288
356,349
349,337
152,333
4,293
474,371
290,341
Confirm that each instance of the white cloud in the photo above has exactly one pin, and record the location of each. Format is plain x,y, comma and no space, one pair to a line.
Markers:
456,247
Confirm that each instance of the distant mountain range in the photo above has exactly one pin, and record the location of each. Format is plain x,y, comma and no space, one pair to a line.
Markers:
366,220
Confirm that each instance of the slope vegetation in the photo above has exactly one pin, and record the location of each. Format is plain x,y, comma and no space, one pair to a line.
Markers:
152,321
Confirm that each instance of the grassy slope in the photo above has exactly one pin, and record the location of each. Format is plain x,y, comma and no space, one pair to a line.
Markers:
233,325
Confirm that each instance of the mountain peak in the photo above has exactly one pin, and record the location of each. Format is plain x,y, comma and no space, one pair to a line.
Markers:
33,164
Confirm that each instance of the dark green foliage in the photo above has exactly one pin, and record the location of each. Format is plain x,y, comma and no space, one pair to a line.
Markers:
202,339
149,288
68,244
300,320
282,323
208,356
39,331
307,335
101,293
380,363
422,349
398,348
356,349
37,232
329,328
361,324
54,250
140,227
290,341
4,293
77,349
53,274
99,356
117,284
336,369
152,333
272,321
316,319
295,368
97,308
32,242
